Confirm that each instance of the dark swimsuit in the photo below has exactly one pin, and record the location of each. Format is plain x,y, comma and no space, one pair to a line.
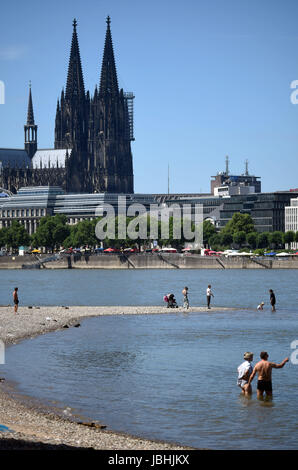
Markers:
264,385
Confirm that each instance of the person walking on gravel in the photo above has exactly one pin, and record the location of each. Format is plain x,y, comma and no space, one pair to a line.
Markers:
15,299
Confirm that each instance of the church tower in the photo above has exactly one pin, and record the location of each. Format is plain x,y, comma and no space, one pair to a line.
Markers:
30,129
71,115
110,127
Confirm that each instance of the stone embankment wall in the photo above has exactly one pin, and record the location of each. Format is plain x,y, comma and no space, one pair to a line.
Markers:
145,261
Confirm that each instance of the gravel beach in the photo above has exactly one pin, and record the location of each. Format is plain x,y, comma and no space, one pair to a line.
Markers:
34,427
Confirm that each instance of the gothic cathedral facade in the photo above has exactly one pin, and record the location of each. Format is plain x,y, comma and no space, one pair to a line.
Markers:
93,134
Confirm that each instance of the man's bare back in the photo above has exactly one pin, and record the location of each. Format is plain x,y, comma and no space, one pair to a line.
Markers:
264,370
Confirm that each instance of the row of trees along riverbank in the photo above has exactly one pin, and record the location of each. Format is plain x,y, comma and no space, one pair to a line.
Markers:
54,232
240,232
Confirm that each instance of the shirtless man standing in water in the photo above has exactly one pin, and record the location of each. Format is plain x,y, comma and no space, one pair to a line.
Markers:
264,370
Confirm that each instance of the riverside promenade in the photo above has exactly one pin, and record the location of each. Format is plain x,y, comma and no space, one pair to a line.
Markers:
146,261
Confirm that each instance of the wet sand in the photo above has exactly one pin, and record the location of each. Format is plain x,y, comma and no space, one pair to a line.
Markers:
36,427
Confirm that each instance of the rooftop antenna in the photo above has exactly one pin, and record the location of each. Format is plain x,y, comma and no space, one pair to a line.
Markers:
227,165
246,168
168,178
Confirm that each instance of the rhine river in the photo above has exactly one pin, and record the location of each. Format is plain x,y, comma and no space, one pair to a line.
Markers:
168,377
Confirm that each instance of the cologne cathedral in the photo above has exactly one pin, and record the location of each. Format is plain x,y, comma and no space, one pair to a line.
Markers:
93,134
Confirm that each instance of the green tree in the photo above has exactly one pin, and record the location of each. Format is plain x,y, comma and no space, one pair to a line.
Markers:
289,237
276,239
239,223
17,235
3,237
263,240
208,230
226,238
251,239
51,232
239,238
214,241
84,233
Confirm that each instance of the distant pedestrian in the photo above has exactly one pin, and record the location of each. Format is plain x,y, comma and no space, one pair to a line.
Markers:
185,298
264,370
209,294
15,299
260,307
272,300
244,371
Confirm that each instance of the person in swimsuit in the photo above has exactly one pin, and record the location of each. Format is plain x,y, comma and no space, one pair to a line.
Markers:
272,300
264,370
15,299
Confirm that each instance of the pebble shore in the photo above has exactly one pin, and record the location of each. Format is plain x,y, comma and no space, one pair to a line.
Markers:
36,428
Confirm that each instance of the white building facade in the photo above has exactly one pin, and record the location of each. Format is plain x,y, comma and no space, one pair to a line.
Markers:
291,219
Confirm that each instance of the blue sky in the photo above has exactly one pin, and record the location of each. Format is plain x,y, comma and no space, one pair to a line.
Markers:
211,78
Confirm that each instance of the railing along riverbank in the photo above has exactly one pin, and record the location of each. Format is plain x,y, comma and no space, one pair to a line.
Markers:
145,261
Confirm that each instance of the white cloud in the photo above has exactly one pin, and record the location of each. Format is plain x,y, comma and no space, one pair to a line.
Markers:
12,52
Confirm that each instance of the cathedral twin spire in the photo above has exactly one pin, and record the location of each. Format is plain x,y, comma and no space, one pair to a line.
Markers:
75,80
108,79
95,128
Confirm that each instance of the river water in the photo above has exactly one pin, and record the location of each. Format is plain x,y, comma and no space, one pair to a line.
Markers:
169,377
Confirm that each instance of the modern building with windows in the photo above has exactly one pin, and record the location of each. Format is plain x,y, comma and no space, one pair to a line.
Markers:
266,209
226,183
269,211
291,219
30,204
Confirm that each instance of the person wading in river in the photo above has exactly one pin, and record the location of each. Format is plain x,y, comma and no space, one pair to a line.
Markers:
264,370
244,371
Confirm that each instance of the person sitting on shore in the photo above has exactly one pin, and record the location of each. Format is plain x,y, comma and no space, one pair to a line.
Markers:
260,307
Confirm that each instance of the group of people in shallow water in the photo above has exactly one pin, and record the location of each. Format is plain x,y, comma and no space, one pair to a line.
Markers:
172,303
263,369
272,302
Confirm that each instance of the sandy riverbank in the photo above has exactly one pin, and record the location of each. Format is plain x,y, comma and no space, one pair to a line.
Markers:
44,429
